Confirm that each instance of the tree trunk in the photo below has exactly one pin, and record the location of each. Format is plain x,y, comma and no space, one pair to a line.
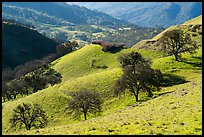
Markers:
136,96
8,97
85,116
176,56
14,95
28,127
27,91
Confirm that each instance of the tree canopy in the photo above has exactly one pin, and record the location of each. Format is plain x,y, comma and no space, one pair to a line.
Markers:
84,102
175,42
29,116
137,75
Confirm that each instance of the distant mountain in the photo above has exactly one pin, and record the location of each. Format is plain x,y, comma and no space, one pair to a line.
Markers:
21,44
55,13
148,14
62,21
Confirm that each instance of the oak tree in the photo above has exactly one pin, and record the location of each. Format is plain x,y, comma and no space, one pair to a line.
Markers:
137,75
175,42
85,102
29,116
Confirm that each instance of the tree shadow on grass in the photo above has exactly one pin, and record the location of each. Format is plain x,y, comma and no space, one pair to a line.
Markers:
148,98
172,79
196,62
168,80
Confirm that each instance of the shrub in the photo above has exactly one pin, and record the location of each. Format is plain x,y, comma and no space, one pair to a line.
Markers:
108,46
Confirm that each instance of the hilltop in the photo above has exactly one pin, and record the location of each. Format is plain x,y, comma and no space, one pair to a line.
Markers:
176,109
187,26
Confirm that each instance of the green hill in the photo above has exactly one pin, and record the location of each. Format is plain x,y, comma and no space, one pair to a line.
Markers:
194,21
197,20
176,109
189,25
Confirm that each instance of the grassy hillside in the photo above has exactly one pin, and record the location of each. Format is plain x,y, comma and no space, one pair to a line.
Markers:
197,20
54,99
194,21
176,109
178,112
187,26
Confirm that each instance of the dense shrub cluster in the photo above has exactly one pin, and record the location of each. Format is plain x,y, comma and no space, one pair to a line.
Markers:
66,47
21,70
108,46
196,27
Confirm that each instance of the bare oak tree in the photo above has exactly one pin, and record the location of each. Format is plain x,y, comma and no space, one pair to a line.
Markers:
29,116
85,102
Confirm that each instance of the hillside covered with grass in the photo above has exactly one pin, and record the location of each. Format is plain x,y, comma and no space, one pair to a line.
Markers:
176,109
193,26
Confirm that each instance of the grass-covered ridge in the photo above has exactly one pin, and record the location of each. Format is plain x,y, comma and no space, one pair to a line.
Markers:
54,99
176,109
197,20
187,26
161,115
77,74
194,21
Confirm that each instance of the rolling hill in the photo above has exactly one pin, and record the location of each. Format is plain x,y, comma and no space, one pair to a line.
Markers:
148,14
21,44
176,109
188,25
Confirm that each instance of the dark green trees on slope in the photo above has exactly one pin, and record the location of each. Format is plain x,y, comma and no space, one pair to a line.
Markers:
21,44
30,83
67,47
